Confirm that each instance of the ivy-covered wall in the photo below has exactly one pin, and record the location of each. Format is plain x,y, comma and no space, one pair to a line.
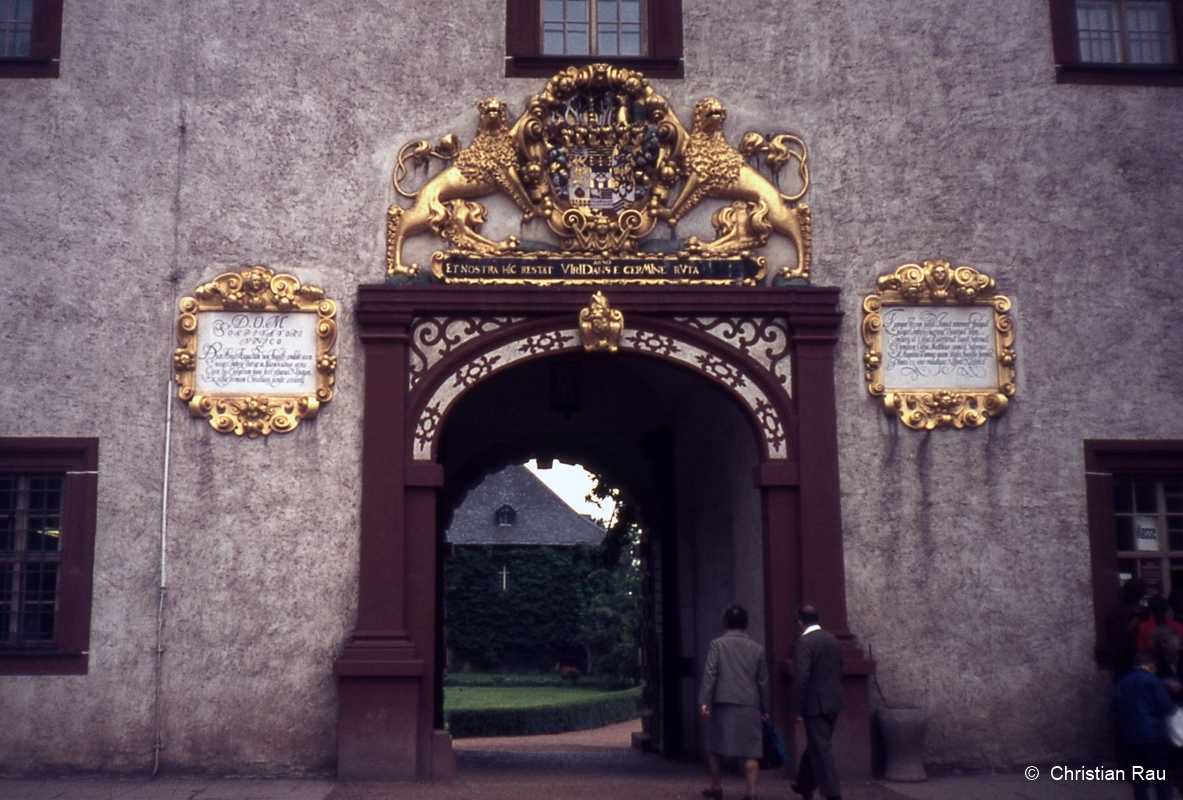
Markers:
558,604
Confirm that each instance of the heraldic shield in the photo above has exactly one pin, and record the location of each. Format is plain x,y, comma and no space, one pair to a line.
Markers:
602,159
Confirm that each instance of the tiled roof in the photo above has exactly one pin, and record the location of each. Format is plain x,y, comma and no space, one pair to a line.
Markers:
541,516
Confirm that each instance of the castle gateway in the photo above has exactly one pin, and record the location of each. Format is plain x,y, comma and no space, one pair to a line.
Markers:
697,377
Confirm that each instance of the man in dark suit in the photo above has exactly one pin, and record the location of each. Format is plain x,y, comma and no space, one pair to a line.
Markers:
817,698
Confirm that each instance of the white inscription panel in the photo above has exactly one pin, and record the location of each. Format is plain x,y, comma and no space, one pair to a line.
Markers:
939,348
256,352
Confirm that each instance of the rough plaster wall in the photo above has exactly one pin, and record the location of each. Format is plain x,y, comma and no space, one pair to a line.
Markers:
184,139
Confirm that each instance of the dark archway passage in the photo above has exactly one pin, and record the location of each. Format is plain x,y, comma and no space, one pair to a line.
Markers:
674,442
717,413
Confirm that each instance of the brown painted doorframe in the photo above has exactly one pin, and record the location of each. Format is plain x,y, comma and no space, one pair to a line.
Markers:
386,671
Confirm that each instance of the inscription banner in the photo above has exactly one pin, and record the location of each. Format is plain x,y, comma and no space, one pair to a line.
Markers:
262,352
657,268
939,348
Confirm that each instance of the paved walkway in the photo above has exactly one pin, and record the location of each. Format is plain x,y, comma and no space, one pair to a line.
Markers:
588,765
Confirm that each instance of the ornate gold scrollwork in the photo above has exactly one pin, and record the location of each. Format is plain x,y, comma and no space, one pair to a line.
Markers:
597,155
600,325
940,346
253,354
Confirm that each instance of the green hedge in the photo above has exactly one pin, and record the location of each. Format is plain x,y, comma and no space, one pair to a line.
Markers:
534,679
557,718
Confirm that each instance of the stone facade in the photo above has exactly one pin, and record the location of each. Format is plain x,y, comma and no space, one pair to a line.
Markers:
183,140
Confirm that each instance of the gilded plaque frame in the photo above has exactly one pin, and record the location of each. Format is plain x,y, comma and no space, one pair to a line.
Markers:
261,291
936,284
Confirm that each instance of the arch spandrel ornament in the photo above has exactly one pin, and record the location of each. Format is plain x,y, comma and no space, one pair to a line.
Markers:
602,159
450,377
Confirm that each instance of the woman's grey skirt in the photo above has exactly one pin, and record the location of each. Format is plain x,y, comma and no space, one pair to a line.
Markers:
735,731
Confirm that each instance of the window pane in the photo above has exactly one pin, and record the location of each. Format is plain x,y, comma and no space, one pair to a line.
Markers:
577,40
7,512
1123,497
577,10
630,11
15,19
1145,497
607,40
552,40
630,40
552,11
1125,533
14,39
1176,575
1146,532
1148,24
1174,496
1127,568
45,503
606,11
1175,532
1150,570
1096,20
39,602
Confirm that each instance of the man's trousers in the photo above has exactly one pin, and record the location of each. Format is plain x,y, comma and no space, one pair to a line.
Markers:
817,769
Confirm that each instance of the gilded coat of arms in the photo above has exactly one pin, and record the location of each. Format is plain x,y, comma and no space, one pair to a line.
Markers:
603,160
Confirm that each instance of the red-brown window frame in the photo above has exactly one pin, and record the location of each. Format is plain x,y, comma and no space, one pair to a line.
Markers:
1070,69
1104,458
77,460
45,45
523,43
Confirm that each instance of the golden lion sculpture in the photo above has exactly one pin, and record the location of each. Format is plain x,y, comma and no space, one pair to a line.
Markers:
488,165
715,169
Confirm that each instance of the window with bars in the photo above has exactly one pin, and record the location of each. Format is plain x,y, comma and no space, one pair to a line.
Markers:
48,498
30,558
543,37
1118,41
30,38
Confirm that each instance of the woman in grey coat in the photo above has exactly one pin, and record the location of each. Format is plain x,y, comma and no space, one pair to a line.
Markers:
734,700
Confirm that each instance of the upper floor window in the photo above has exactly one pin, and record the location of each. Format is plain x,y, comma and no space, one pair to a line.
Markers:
592,27
543,37
505,516
47,526
1124,31
1118,41
30,38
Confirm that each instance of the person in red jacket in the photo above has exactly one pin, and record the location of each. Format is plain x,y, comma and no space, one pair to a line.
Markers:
1162,636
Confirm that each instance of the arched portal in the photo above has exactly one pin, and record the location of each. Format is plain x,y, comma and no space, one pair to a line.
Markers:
683,450
717,410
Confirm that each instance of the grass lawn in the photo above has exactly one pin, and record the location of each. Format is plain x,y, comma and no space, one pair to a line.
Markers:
482,697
